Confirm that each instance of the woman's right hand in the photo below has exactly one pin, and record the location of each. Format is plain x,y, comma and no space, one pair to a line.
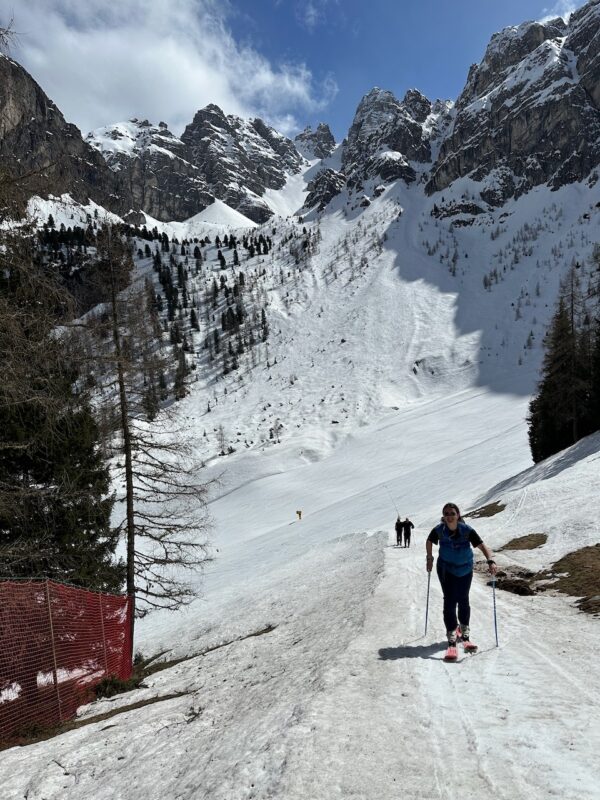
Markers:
429,563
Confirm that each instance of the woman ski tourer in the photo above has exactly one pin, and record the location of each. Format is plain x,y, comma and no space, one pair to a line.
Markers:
456,541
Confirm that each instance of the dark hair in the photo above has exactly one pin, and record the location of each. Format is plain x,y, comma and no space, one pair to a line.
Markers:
454,507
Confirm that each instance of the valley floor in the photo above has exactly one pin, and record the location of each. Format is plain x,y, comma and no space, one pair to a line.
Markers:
306,674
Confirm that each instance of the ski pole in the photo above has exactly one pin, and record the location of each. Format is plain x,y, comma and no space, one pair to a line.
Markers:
494,596
427,604
392,499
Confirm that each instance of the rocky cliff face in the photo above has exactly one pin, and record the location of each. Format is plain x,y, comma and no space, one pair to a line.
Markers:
37,142
315,144
217,156
530,111
153,164
240,159
324,187
385,136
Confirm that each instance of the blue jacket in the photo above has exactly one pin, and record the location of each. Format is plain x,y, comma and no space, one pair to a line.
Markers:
456,552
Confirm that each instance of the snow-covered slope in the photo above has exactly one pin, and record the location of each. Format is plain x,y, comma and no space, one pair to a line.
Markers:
394,380
315,705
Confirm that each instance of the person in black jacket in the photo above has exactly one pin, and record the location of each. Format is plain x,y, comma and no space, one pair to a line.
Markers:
398,527
407,526
456,541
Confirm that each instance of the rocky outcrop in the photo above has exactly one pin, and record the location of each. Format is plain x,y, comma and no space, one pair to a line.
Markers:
152,163
385,136
217,156
529,113
315,144
37,142
239,159
323,188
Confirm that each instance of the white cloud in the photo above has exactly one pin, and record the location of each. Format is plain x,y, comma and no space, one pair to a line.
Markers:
309,14
312,13
562,8
162,59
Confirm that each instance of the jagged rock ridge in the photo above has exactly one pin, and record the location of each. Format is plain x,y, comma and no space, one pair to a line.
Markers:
37,142
153,164
529,114
530,111
315,144
218,156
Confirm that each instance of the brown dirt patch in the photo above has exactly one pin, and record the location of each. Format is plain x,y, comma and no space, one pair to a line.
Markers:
528,542
487,511
576,574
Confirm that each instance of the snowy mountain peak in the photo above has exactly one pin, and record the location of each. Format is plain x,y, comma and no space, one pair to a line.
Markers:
315,144
129,139
240,159
530,111
417,105
385,136
507,49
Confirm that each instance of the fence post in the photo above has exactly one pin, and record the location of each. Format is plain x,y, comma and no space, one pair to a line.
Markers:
103,637
55,667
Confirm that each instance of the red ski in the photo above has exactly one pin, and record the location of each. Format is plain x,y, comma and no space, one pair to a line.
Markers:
468,645
451,653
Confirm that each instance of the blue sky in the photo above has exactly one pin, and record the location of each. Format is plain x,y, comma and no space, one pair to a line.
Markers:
292,62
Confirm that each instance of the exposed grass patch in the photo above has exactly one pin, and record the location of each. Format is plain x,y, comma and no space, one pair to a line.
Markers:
487,511
109,687
528,542
579,575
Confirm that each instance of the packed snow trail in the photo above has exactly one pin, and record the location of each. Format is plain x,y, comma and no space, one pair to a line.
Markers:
323,684
394,719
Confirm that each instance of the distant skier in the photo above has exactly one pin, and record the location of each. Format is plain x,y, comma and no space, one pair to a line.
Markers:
398,527
407,526
455,571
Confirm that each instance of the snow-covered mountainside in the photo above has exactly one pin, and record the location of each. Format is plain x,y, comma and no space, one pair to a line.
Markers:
391,383
409,280
530,111
217,156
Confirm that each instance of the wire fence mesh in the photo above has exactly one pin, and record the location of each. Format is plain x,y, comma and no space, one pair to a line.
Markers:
57,643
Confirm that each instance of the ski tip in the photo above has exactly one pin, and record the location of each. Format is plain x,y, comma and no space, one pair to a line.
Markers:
451,654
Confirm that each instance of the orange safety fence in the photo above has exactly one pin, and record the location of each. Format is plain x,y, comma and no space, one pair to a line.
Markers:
57,643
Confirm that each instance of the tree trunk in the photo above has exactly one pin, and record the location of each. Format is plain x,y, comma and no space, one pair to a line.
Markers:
126,433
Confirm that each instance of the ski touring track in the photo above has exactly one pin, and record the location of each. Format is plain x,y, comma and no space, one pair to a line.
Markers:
393,719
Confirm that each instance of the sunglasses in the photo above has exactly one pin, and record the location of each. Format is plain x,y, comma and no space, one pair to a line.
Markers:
449,513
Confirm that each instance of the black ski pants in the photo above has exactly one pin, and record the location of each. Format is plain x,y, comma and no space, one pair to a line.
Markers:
456,594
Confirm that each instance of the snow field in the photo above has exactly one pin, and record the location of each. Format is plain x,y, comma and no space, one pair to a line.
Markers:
346,697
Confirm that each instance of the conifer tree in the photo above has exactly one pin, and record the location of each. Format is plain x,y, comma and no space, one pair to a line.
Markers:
55,504
164,501
558,415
